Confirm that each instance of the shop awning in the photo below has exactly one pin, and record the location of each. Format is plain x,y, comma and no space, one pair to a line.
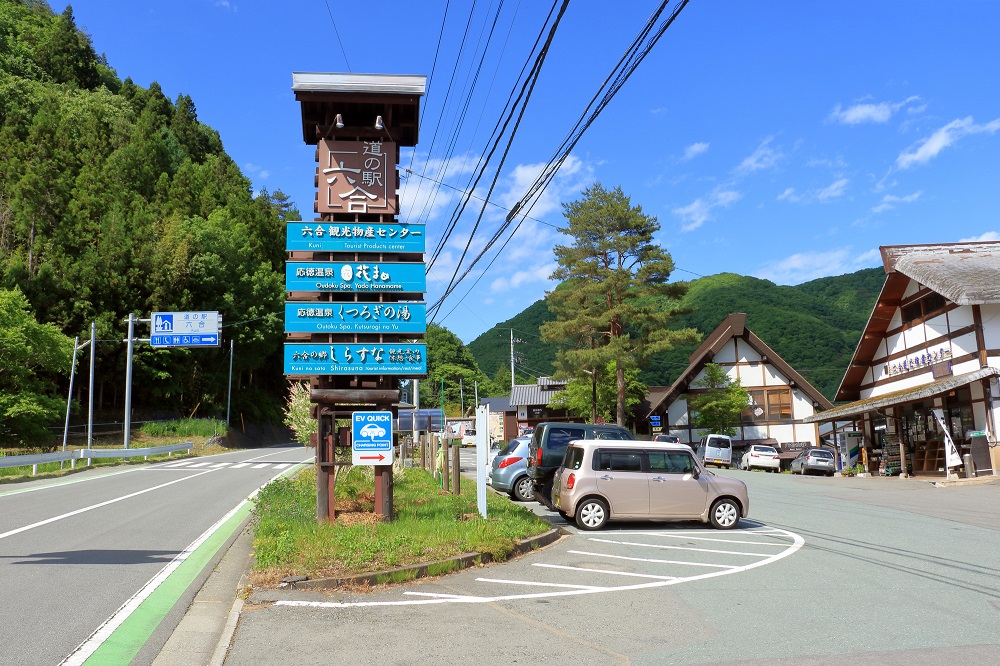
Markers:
855,409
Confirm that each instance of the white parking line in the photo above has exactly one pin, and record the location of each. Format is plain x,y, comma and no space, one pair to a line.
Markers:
651,561
695,550
538,584
439,596
695,538
603,571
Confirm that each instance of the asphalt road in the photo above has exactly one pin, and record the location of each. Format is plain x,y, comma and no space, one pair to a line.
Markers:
827,571
75,550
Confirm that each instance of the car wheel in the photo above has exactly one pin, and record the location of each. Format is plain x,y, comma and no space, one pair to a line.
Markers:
523,491
591,514
565,516
725,514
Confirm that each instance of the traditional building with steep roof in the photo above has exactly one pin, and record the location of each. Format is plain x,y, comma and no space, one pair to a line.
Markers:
780,398
923,379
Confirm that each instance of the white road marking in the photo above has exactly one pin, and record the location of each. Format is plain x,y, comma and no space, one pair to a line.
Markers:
202,464
222,464
696,538
694,550
239,465
261,465
282,466
445,596
602,571
534,583
86,649
796,543
652,561
98,505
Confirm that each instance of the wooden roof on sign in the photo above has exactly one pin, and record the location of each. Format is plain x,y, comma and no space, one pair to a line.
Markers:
359,99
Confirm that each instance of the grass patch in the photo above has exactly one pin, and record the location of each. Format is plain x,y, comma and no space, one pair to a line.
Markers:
430,525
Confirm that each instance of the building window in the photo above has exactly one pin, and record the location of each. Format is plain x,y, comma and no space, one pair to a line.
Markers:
925,307
768,405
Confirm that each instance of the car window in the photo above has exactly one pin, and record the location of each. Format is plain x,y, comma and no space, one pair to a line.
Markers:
618,461
719,443
670,462
821,453
509,449
573,458
764,449
561,436
612,434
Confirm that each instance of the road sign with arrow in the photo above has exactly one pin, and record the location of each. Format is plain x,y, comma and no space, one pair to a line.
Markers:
371,438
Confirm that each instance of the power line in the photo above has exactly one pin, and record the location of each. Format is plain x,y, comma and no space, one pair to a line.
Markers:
337,32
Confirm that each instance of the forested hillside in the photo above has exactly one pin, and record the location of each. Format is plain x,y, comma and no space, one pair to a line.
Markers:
115,199
814,326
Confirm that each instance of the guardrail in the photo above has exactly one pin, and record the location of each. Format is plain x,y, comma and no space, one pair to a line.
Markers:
79,454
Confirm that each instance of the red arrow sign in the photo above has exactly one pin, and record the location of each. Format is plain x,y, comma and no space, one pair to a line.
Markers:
378,457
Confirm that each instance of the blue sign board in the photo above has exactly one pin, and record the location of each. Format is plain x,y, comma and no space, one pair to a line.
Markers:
345,237
655,419
371,438
302,317
367,276
184,329
406,359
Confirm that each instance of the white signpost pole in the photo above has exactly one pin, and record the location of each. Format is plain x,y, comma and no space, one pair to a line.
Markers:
482,455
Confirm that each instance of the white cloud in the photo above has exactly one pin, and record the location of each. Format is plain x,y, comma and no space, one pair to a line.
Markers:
941,139
833,191
889,201
789,195
805,266
868,112
256,171
518,279
764,157
694,150
700,210
988,236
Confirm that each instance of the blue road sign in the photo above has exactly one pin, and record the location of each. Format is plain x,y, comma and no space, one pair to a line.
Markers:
403,359
371,438
344,237
302,317
362,276
184,329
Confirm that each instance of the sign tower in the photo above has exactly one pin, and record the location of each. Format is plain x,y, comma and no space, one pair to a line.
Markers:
355,275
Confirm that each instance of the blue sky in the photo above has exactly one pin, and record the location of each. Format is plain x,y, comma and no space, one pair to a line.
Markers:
786,140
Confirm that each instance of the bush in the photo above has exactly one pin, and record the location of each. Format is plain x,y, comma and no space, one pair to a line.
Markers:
184,428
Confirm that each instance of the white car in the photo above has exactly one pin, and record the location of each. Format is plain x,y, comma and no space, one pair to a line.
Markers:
372,430
761,457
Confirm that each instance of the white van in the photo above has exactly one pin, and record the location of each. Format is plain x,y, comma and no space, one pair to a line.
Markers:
716,450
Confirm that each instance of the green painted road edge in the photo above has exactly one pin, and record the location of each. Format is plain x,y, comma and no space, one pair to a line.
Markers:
124,643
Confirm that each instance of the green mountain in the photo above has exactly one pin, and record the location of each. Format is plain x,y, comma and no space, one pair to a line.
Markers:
814,326
115,199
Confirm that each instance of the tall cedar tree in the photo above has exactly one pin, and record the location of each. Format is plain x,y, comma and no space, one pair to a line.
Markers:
718,406
615,304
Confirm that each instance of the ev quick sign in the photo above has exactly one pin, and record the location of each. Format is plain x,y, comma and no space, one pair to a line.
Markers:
371,438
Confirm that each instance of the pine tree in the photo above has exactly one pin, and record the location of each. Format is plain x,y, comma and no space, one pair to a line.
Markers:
616,303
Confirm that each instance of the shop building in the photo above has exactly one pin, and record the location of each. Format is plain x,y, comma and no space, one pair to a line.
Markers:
531,402
780,398
924,375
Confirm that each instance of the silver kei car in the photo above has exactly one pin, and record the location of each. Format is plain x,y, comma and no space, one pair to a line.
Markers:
602,480
813,460
509,471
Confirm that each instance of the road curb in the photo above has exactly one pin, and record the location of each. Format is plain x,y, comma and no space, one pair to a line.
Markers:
425,569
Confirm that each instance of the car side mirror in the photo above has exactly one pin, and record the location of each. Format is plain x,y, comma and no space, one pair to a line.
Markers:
694,474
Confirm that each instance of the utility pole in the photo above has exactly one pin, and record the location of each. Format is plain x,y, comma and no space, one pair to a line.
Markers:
229,392
69,395
128,378
511,359
461,395
90,410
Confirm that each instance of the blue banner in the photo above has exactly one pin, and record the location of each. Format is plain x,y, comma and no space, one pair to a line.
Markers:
346,237
374,358
302,317
361,276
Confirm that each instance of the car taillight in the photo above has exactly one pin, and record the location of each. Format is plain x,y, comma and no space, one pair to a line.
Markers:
507,462
538,456
571,481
